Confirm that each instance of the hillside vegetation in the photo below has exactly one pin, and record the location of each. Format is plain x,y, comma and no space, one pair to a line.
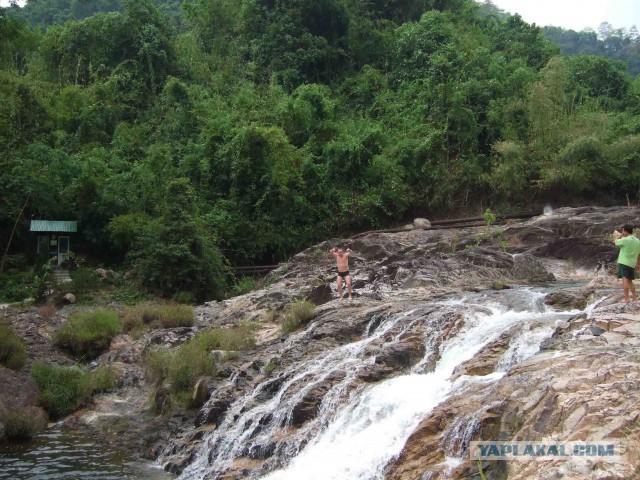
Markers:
186,138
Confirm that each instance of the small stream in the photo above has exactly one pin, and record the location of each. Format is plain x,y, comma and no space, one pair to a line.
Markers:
57,455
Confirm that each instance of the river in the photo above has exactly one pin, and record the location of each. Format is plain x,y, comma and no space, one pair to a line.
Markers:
59,454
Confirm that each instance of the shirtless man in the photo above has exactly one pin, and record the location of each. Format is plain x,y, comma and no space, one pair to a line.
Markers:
342,261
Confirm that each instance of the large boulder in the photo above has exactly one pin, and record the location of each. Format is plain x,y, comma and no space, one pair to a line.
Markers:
421,223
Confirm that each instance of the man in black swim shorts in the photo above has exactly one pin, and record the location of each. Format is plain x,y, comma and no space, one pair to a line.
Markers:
627,260
342,261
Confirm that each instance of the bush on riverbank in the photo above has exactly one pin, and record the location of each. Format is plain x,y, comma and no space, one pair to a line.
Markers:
13,353
181,367
184,365
23,423
65,389
87,334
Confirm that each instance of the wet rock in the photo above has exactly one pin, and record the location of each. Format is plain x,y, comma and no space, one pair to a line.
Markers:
307,407
398,356
321,294
170,337
374,373
162,399
569,299
568,395
200,394
176,466
527,267
216,407
261,452
586,251
486,360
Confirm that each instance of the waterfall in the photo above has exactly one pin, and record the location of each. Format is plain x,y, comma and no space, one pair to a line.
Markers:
360,427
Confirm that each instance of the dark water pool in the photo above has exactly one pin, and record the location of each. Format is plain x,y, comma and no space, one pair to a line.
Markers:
58,454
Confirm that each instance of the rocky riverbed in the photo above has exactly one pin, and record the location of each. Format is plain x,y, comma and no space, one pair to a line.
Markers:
415,293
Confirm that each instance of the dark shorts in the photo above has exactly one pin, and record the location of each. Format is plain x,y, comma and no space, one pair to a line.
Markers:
625,271
343,274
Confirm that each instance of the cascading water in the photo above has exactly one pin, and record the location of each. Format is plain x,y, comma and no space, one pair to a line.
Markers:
359,428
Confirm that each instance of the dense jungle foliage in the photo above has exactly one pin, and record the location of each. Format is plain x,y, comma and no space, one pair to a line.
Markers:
184,137
617,44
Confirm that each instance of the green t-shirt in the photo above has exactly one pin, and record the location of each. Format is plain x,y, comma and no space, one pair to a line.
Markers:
629,250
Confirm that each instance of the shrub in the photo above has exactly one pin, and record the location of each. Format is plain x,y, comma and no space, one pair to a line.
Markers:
13,353
181,367
15,262
23,423
62,389
185,297
103,379
65,389
157,364
158,316
242,286
44,282
88,334
299,313
84,280
489,217
188,364
15,286
126,293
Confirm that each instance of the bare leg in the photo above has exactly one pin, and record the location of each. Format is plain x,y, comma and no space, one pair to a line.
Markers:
625,288
632,287
339,280
348,281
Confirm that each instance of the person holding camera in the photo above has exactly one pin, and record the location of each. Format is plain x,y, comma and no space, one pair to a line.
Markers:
627,259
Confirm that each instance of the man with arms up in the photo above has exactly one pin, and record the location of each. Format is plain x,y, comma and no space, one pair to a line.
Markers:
342,261
627,259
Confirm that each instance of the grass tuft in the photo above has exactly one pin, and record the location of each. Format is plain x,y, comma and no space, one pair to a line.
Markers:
242,286
170,315
23,423
183,366
88,334
230,339
13,352
65,389
299,313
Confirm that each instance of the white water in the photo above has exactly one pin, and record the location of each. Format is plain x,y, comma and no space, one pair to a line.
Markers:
358,431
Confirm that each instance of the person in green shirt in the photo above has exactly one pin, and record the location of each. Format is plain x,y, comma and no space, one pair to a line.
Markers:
627,259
